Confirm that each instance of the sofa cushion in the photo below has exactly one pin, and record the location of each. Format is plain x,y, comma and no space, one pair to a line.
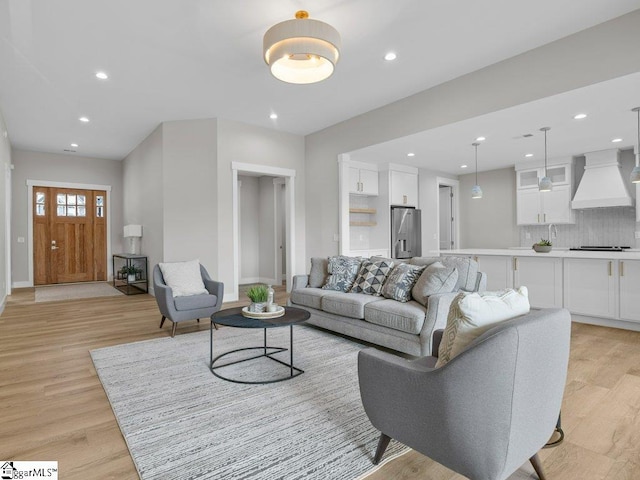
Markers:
467,271
319,272
342,272
424,261
406,317
435,279
472,314
194,302
400,282
184,278
371,277
347,304
309,297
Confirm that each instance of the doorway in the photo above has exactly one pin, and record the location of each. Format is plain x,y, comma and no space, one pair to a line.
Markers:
448,225
69,235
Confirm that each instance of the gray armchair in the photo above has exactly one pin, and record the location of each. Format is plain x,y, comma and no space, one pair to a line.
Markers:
179,309
487,411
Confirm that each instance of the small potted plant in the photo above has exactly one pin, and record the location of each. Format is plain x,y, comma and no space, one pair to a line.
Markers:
258,295
543,246
129,271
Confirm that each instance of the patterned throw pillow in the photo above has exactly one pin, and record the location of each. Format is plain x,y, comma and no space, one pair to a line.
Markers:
371,277
472,314
342,272
400,282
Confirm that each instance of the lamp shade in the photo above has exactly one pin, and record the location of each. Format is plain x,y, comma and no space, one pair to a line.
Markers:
132,231
476,191
545,185
301,51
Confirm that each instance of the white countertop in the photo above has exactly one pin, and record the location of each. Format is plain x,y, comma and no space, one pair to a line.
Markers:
557,253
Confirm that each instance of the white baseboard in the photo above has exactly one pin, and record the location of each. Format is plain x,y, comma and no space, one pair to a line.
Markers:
230,297
25,284
607,322
248,280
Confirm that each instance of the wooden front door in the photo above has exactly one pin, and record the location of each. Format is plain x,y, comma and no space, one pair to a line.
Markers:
69,235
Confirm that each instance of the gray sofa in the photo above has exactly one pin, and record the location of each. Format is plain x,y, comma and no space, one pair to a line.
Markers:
404,327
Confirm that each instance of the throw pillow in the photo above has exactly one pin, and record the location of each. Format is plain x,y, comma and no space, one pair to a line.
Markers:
371,277
183,278
436,278
342,272
400,282
319,272
472,314
467,272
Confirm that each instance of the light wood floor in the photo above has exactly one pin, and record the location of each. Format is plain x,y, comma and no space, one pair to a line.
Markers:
53,407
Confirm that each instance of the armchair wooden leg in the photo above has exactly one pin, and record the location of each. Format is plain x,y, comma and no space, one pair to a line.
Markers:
537,466
382,446
173,329
198,320
162,321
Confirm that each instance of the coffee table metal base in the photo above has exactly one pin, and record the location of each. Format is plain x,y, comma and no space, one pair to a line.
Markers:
266,352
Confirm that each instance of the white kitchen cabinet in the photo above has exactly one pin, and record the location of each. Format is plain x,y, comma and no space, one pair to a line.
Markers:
543,278
404,188
629,275
498,269
363,181
534,207
590,287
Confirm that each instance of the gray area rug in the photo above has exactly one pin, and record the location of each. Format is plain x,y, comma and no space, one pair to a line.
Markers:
181,422
54,293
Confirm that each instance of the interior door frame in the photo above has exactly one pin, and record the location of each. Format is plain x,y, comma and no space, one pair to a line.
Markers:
278,183
80,186
289,175
455,189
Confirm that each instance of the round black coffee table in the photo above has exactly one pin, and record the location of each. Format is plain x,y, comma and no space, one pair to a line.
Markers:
232,317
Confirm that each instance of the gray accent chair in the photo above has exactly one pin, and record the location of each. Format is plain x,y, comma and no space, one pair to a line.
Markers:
484,413
179,309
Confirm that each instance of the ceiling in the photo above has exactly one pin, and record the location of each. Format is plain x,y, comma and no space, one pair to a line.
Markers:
187,59
607,105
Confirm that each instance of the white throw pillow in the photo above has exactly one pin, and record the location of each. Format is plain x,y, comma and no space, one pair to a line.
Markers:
472,314
183,278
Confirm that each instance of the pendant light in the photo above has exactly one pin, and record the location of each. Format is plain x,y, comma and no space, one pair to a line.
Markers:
545,184
476,191
635,173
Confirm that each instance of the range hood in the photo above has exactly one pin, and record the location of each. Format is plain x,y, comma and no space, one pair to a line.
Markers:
602,184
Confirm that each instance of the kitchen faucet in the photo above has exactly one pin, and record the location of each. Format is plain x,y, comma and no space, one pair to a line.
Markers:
554,229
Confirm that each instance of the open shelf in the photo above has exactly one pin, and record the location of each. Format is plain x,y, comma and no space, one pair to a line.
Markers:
362,210
362,224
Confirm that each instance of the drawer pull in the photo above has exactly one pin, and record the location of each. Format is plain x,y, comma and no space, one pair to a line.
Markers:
515,264
610,268
622,269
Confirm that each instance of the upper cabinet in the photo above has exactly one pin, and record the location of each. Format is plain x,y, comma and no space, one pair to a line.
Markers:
363,181
403,188
534,207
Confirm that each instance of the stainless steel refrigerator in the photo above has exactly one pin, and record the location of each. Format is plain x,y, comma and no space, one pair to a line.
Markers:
406,232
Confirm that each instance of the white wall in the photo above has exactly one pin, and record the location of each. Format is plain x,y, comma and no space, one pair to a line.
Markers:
249,228
606,51
64,169
143,195
189,185
490,221
5,204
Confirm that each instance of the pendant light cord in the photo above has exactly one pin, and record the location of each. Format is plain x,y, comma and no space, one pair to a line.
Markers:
476,147
545,153
638,144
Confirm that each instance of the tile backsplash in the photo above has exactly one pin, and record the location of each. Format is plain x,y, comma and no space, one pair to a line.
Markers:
595,226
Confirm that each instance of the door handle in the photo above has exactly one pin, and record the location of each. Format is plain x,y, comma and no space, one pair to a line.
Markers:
610,268
515,264
622,269
53,247
538,218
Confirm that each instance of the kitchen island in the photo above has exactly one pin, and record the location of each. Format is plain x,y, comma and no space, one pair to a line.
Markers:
597,287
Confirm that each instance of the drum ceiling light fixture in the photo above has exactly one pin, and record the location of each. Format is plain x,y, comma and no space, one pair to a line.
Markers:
302,50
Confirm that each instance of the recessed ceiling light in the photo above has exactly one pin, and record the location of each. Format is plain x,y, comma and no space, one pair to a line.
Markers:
102,75
84,119
411,154
580,116
74,145
273,116
390,56
616,140
464,166
480,139
529,155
